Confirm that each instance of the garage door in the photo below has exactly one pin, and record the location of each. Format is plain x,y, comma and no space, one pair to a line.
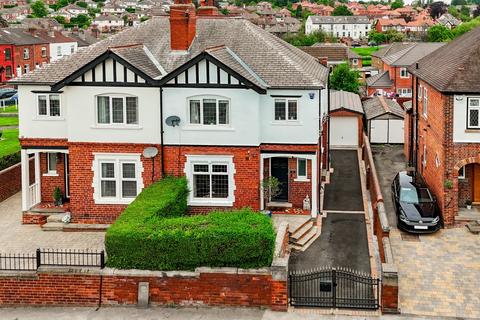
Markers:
386,131
343,132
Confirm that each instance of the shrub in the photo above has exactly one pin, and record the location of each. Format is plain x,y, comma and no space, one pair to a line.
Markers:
9,160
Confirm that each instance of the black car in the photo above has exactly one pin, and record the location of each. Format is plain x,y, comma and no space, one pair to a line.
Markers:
416,208
7,93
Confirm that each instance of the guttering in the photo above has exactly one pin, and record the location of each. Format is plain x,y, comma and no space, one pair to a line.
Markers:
415,154
162,170
328,121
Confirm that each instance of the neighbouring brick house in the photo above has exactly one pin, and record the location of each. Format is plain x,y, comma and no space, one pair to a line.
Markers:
394,67
227,109
446,149
21,52
334,53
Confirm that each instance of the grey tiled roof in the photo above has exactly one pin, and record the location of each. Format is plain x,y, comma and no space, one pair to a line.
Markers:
18,36
380,80
412,54
277,63
339,19
391,49
345,100
378,106
454,67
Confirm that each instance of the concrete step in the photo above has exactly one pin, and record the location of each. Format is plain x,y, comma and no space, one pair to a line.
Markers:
305,239
52,226
468,216
51,210
55,217
474,227
301,231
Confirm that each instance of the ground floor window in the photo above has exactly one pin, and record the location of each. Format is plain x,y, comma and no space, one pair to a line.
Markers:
302,169
117,177
211,180
52,163
461,173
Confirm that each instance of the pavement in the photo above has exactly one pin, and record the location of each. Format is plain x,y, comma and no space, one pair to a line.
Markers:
344,192
158,313
342,243
439,274
18,238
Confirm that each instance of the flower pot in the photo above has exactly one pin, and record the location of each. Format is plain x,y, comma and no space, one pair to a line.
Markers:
469,206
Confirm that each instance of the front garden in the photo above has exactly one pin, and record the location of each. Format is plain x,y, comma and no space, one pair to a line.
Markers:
155,233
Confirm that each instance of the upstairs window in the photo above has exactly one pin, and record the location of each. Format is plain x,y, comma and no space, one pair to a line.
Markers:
425,102
8,54
59,51
286,110
404,73
26,54
209,111
8,71
473,113
44,52
48,105
117,110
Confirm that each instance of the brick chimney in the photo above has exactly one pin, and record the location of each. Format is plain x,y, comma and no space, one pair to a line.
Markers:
207,8
183,24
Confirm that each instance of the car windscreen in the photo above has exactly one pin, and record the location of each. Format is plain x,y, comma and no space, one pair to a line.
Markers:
415,195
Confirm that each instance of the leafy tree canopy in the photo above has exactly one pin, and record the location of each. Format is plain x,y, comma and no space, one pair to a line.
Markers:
343,78
397,4
377,37
39,10
439,33
394,36
341,11
437,9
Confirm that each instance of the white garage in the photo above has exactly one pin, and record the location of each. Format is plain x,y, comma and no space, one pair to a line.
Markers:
385,120
346,118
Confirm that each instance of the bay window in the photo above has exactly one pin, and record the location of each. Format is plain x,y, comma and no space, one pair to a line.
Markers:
48,105
209,111
117,110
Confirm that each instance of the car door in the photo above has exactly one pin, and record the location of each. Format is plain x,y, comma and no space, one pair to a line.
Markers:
395,192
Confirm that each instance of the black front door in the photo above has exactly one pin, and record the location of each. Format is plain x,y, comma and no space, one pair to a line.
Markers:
279,170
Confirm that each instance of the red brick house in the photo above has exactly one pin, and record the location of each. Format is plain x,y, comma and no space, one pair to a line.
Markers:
21,52
215,103
446,147
395,66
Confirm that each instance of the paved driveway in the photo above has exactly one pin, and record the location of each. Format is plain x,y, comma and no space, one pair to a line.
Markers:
344,192
18,238
439,274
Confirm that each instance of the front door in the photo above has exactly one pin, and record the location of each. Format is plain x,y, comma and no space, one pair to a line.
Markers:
279,170
476,183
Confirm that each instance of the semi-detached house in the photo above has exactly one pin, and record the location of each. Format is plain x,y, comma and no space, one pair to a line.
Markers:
224,102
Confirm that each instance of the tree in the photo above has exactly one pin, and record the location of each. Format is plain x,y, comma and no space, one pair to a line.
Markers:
439,33
476,12
39,10
394,36
60,19
458,2
341,11
376,37
343,78
465,27
437,9
397,4
298,11
303,40
82,4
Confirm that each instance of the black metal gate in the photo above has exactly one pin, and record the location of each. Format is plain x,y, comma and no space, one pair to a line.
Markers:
333,288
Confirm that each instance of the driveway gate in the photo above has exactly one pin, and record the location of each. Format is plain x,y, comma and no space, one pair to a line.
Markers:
333,288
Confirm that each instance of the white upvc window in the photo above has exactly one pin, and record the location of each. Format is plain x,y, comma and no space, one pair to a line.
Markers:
211,180
404,92
117,178
209,111
473,113
48,105
419,92
51,163
26,54
355,61
461,173
117,110
286,110
404,73
302,169
59,51
424,160
425,102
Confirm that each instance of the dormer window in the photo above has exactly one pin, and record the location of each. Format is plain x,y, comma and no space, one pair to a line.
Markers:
209,111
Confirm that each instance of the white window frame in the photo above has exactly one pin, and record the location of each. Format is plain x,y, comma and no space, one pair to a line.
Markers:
111,124
461,173
419,92
469,107
287,120
51,171
44,52
302,177
26,54
405,73
211,159
59,51
48,116
424,160
118,159
425,102
210,97
355,61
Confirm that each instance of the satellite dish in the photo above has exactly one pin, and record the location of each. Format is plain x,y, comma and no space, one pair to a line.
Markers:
150,152
172,121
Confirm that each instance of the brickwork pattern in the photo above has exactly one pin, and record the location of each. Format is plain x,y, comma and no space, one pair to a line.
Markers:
11,180
48,181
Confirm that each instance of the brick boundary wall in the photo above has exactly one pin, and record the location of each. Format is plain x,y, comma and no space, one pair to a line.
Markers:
389,275
11,180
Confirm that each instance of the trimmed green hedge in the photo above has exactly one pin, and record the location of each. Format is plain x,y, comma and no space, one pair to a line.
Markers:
146,237
9,160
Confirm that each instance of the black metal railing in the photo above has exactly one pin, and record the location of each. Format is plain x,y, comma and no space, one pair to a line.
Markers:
333,288
18,262
52,257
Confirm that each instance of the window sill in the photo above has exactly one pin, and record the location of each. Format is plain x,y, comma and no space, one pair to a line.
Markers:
301,180
47,118
209,203
125,127
50,174
114,201
207,128
472,130
286,123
